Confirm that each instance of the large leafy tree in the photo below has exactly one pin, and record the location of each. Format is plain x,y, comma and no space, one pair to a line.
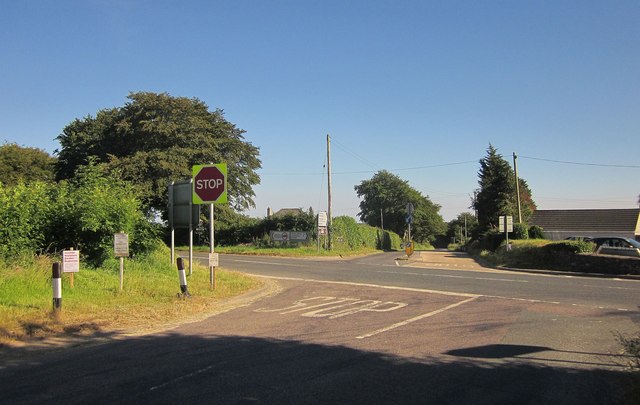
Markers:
156,138
496,195
25,164
385,198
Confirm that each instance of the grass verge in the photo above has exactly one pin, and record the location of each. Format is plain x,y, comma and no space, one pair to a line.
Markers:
97,306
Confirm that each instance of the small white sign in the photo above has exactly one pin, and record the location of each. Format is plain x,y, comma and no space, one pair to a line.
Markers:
121,244
322,219
214,260
70,261
501,223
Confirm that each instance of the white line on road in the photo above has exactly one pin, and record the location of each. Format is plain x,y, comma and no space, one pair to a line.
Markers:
417,318
387,287
509,280
271,263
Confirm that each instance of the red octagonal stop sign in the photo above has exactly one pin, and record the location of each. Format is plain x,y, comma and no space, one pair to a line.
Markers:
210,184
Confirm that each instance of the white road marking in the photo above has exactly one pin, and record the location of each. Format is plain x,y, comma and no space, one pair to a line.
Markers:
271,263
334,307
441,292
509,280
414,319
387,287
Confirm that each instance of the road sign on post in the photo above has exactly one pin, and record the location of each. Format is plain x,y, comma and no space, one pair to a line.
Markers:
210,183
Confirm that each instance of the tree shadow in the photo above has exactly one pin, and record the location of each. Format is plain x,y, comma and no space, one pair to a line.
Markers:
503,351
175,368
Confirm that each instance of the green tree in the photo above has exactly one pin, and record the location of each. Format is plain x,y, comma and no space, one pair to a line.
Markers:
387,195
155,139
25,164
496,195
462,227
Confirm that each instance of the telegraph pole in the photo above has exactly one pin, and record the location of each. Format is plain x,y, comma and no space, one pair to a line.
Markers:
329,220
515,170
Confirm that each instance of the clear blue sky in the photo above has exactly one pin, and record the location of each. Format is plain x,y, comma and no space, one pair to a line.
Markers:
407,86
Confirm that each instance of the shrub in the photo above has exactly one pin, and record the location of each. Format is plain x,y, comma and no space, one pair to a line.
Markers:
349,233
536,232
570,247
24,213
520,231
92,207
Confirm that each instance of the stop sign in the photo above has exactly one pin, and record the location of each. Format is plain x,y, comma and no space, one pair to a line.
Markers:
210,183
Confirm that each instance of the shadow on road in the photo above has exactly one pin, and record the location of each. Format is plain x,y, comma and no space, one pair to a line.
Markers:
175,368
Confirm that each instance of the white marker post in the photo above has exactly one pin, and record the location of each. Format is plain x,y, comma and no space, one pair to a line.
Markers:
184,292
56,284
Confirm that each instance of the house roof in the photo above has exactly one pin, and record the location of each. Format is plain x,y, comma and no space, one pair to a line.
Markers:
588,222
288,211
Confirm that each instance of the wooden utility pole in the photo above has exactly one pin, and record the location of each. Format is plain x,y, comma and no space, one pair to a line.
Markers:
329,221
515,170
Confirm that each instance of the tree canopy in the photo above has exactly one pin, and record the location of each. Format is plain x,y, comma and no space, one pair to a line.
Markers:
25,164
385,198
155,139
496,195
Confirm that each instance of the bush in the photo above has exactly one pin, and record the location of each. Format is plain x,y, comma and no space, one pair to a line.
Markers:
89,209
520,231
570,247
348,233
82,214
536,232
24,214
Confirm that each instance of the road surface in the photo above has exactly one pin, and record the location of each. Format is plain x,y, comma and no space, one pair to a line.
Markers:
366,330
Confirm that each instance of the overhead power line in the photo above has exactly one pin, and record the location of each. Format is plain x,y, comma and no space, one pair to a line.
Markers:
373,171
581,163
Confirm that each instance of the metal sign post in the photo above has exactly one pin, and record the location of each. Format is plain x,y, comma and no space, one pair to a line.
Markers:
505,224
210,187
213,257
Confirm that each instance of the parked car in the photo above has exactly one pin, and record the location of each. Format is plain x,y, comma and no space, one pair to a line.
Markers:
616,245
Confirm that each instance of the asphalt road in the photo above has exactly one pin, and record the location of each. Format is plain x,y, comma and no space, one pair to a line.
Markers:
383,269
364,330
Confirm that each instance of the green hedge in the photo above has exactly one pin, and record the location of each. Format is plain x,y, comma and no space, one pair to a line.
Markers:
541,254
348,233
82,214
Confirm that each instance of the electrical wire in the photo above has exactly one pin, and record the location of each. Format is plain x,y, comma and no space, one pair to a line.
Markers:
580,163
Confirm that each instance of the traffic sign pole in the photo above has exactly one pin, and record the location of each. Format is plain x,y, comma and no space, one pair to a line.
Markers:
210,187
212,268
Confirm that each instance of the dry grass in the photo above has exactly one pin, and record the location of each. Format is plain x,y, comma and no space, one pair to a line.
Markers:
96,306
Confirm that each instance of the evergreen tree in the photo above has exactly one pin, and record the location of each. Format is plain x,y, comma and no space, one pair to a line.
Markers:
496,195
